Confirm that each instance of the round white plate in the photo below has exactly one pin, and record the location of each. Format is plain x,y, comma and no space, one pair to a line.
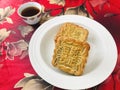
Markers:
101,60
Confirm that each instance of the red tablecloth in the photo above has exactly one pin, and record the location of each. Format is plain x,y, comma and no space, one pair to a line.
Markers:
16,71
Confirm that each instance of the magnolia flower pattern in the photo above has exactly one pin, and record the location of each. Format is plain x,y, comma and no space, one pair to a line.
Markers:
8,50
15,49
59,2
4,34
25,30
33,82
5,13
79,10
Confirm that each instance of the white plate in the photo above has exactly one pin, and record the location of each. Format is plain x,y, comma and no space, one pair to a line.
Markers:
101,61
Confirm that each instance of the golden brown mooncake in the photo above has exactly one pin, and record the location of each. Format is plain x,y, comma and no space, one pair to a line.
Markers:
73,31
70,55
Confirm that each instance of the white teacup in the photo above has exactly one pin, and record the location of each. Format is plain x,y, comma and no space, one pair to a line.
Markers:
31,12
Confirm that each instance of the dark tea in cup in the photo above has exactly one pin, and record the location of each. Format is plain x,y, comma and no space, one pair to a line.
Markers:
30,12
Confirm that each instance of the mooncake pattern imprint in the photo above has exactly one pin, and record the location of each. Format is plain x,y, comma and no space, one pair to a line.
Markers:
70,55
73,31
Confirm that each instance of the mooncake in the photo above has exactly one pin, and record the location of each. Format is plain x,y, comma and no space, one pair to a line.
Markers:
71,30
70,55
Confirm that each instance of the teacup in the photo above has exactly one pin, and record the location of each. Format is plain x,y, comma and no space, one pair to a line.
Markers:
31,12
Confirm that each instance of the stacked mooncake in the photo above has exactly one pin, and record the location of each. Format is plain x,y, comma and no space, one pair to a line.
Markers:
71,49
